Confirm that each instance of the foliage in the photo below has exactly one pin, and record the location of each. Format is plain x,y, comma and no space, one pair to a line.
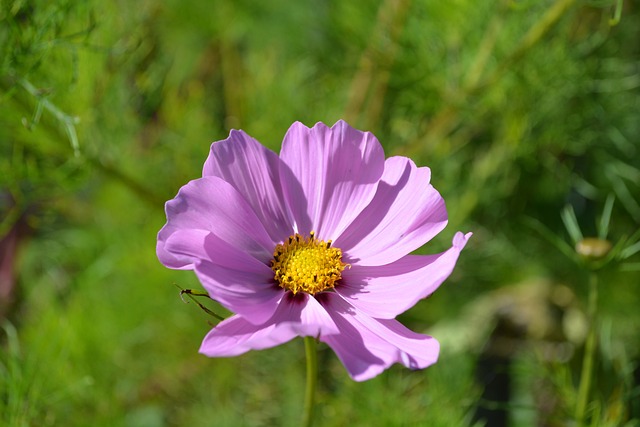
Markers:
519,107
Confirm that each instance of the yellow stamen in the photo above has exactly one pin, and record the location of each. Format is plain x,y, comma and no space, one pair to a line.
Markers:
307,265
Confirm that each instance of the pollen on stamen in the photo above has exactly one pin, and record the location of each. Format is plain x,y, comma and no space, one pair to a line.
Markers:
306,264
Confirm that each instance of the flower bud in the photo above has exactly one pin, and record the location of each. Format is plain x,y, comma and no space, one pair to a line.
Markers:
593,248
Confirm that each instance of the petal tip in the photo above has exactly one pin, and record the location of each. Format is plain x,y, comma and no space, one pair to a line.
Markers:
461,239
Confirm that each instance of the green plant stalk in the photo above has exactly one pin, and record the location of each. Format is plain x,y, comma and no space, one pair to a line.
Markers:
69,122
312,379
446,119
589,353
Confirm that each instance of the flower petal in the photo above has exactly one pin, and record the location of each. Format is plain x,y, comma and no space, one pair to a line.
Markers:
405,213
251,294
202,245
332,175
253,170
314,321
181,248
235,336
235,279
388,290
368,346
299,315
213,205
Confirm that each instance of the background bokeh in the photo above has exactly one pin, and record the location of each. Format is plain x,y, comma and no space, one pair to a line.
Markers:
527,112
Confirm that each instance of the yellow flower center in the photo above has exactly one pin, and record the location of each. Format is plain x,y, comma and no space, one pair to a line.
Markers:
307,265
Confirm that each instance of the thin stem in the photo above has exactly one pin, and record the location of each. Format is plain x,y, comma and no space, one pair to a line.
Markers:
530,39
448,117
371,81
69,122
312,379
589,353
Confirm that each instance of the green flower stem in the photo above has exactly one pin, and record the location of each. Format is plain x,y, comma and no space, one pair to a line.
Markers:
589,353
312,379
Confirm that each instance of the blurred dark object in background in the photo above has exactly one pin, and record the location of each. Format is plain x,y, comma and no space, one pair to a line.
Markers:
534,318
17,230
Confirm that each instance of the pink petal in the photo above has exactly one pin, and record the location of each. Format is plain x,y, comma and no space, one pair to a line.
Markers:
368,346
253,295
213,205
388,290
332,175
235,279
181,248
235,336
253,171
405,213
202,245
299,315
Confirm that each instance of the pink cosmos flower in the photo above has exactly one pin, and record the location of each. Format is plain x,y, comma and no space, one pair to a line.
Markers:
313,242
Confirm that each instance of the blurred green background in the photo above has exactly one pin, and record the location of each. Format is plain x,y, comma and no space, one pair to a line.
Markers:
526,111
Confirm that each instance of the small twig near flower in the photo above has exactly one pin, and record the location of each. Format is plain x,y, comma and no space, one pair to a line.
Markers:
617,13
192,294
69,122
